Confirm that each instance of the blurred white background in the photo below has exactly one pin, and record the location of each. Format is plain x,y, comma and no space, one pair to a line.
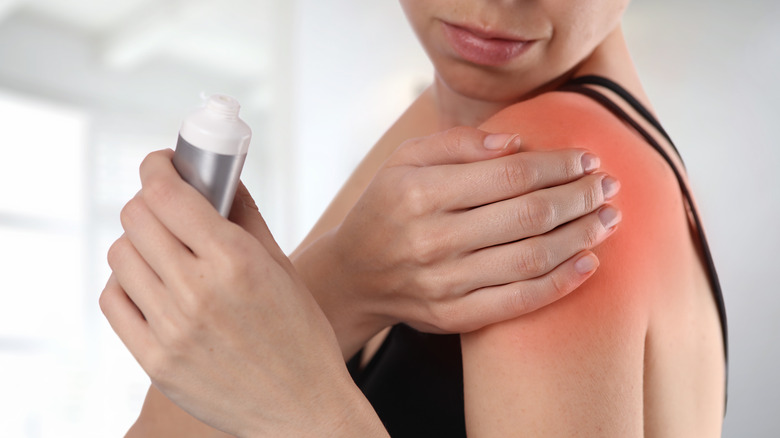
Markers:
87,88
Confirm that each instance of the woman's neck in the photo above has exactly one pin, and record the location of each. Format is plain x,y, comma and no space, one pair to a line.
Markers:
612,59
455,109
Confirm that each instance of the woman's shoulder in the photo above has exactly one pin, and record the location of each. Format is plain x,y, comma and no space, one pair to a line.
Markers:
556,120
560,119
655,229
578,361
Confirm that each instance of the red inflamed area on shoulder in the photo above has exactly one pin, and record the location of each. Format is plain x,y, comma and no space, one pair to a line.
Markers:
652,247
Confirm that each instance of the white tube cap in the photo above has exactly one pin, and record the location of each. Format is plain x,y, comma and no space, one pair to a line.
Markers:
216,127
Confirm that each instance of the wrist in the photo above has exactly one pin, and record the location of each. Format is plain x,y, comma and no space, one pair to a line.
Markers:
358,418
339,410
325,270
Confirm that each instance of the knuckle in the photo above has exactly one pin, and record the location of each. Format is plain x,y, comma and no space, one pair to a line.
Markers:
459,137
153,159
235,264
406,144
592,233
130,211
407,148
423,247
112,255
534,259
194,305
104,301
518,174
429,246
436,288
536,214
558,286
572,167
239,259
177,331
519,302
416,198
591,198
425,287
157,191
458,132
115,251
146,163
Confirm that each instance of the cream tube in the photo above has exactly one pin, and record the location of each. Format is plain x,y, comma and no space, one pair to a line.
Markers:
212,147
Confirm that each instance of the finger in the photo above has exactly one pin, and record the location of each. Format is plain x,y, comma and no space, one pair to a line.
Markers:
136,278
537,256
456,145
158,247
533,214
177,205
474,184
126,320
494,304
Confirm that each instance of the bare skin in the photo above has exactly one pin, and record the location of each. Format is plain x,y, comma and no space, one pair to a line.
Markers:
649,359
476,305
672,328
649,356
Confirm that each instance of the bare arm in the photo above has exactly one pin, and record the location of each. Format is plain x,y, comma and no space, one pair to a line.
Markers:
208,308
160,417
575,368
425,187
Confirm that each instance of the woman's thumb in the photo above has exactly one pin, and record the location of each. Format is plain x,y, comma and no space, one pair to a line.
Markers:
245,214
457,146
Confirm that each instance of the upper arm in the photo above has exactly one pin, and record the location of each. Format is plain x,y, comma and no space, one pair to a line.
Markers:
575,367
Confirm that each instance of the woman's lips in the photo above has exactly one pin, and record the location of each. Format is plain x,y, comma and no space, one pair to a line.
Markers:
483,48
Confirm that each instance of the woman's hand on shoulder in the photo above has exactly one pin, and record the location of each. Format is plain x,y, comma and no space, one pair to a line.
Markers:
459,230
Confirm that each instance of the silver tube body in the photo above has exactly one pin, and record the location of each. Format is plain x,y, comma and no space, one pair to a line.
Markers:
214,175
211,150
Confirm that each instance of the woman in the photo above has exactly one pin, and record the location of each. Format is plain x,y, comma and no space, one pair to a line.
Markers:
637,350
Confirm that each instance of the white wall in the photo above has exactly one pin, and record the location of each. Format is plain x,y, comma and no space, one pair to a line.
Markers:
357,67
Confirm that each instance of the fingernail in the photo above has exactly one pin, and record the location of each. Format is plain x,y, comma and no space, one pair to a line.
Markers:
610,216
609,186
587,263
590,162
496,142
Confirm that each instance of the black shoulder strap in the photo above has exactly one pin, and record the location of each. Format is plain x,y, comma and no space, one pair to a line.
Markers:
628,97
577,85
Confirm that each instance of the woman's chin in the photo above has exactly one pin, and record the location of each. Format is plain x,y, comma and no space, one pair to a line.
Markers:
485,87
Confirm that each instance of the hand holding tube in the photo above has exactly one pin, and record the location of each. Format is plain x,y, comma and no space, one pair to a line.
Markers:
218,318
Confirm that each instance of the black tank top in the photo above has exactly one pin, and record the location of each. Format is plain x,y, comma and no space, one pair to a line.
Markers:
415,380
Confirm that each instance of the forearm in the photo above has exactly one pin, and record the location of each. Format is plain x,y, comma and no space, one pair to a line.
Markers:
326,276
